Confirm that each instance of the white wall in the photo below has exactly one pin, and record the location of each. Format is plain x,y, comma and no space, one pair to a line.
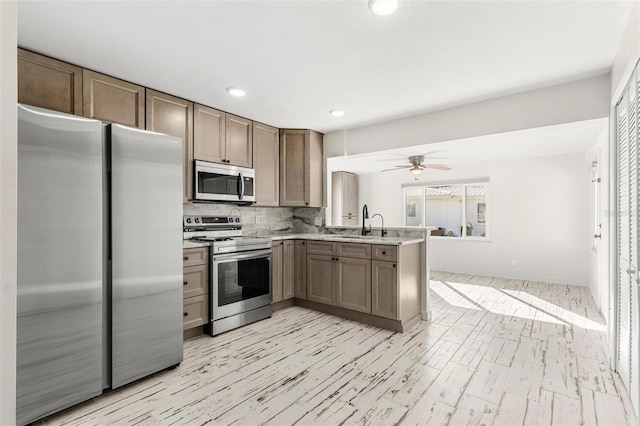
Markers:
538,211
627,54
565,103
8,212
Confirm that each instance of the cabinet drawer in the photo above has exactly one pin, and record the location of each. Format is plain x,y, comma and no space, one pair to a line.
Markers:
194,256
321,247
195,312
195,280
357,250
386,253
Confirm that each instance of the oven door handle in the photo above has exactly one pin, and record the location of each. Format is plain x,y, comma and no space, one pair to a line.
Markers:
240,185
231,257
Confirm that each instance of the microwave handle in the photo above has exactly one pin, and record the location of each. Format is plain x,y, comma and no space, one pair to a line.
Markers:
240,185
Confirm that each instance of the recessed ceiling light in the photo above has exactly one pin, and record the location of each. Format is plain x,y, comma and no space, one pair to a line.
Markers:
337,112
236,91
383,7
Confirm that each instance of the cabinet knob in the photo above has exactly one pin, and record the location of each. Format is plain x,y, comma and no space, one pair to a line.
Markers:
185,258
184,283
306,203
384,252
394,265
185,314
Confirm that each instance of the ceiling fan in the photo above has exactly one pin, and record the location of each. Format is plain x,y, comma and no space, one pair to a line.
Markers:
416,165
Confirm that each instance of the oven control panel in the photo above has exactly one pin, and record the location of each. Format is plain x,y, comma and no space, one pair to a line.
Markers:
211,222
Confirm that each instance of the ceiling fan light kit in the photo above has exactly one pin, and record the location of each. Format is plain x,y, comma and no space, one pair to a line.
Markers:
416,165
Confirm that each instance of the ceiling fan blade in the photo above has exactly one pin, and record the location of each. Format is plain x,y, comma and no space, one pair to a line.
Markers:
404,166
436,166
396,168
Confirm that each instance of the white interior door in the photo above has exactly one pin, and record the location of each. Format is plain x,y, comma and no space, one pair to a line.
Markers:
628,350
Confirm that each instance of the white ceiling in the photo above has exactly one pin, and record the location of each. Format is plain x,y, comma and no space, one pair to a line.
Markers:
562,139
299,59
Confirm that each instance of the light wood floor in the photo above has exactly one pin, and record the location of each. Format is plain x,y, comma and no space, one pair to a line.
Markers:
502,352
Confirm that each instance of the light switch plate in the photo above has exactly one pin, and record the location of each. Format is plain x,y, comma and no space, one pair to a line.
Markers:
318,221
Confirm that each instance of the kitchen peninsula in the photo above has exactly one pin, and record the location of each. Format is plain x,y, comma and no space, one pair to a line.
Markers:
374,280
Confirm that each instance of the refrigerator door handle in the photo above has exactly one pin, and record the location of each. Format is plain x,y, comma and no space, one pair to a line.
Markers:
240,186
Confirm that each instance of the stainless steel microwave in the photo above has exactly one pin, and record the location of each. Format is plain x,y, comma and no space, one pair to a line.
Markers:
222,182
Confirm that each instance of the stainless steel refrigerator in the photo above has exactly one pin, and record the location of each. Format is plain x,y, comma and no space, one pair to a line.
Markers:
99,258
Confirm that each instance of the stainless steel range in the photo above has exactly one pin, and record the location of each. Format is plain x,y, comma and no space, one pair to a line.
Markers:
240,271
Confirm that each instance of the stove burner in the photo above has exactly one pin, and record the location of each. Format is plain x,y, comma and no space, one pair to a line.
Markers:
222,239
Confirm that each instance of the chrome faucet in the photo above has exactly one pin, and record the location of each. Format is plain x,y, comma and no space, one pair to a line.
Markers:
365,215
383,232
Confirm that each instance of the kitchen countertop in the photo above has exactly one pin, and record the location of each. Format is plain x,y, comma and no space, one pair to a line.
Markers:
342,238
194,244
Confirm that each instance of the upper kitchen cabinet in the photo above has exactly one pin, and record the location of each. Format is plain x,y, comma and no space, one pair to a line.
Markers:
300,168
239,141
173,116
48,83
208,134
344,199
222,138
111,100
266,162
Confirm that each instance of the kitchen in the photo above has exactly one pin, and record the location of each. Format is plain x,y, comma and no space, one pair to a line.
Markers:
287,218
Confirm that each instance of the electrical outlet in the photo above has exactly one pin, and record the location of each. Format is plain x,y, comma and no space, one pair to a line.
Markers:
318,221
514,262
259,218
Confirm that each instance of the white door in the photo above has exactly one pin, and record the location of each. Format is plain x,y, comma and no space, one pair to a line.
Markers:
627,319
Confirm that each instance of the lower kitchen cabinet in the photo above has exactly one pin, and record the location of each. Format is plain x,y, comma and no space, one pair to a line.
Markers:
288,269
320,278
282,270
384,289
339,274
195,312
353,284
300,270
195,290
276,271
373,283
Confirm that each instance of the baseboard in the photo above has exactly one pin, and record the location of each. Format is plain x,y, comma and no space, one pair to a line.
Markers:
376,321
283,304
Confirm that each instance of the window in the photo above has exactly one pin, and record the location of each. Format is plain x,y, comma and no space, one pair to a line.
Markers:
457,210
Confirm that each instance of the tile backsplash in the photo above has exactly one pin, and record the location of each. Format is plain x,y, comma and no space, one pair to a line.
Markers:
264,220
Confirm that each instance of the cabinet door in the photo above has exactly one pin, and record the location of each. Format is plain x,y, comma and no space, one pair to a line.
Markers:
294,176
195,312
384,289
239,141
351,196
276,272
353,284
208,134
174,116
322,247
195,280
320,279
111,100
266,162
300,270
288,269
48,83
